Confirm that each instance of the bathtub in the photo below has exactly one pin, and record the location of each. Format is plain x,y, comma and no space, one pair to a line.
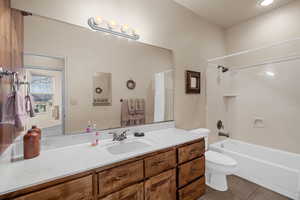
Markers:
276,170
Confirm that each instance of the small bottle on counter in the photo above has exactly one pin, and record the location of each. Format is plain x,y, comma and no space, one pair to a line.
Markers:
95,141
89,127
31,144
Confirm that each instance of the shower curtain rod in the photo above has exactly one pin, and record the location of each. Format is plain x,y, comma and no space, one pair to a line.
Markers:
252,50
272,61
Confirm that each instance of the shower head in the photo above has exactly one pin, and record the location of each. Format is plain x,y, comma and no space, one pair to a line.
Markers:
224,69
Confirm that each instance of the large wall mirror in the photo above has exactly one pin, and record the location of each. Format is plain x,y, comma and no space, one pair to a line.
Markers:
80,78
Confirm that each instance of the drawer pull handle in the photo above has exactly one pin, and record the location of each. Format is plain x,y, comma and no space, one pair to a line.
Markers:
154,186
157,163
193,151
194,169
189,193
120,177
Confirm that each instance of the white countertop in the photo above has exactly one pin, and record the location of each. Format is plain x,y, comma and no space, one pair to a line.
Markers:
62,162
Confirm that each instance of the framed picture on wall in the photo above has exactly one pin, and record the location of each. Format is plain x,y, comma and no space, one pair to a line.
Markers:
193,82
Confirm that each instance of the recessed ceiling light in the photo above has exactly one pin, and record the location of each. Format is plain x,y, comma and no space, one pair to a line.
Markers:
265,3
269,73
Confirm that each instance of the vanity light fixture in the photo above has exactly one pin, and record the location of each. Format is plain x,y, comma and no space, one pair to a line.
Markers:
265,3
111,27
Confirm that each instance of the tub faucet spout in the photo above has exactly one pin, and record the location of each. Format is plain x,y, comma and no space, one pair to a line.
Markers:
223,134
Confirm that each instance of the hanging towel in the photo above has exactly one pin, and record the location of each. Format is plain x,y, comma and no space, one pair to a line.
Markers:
124,113
140,106
140,111
8,114
131,106
29,105
20,111
14,111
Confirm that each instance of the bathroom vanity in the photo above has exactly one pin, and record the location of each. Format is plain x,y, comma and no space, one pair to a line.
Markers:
171,167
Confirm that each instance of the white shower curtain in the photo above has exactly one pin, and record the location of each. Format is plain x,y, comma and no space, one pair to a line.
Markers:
163,96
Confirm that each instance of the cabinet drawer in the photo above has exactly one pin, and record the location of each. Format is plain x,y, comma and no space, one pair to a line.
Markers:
79,189
190,171
191,151
159,163
134,192
117,178
192,191
161,187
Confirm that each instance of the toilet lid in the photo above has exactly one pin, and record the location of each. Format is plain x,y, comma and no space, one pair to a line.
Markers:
219,158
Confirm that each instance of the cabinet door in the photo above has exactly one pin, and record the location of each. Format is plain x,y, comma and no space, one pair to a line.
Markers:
159,163
193,191
117,178
190,171
134,192
191,151
79,189
161,187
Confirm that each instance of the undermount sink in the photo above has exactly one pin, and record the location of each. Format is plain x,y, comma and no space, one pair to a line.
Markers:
127,146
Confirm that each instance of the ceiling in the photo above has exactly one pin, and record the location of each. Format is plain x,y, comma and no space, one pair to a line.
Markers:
227,13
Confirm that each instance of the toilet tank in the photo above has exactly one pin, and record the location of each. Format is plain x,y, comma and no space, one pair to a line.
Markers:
204,133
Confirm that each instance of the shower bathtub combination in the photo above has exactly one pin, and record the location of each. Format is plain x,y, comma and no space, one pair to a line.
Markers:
274,169
254,93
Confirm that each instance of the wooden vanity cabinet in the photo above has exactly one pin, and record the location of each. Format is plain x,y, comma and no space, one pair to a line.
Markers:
193,191
134,192
159,163
191,171
78,189
161,187
192,151
176,173
114,179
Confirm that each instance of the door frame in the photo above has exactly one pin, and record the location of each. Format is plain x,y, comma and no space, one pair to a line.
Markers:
63,71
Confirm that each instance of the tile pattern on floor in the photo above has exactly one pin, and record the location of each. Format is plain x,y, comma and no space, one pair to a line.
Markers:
241,189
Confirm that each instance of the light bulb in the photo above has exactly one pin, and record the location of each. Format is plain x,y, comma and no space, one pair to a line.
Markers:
98,20
265,3
112,23
125,28
135,32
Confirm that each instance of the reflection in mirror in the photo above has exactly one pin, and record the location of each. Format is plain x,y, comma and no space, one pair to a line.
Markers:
46,89
79,79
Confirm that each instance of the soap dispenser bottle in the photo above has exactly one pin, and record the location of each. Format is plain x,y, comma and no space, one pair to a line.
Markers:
95,141
89,127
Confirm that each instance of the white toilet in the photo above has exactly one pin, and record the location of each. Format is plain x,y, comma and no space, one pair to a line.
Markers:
217,165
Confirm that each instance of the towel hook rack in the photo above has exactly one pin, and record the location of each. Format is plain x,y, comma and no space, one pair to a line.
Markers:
6,72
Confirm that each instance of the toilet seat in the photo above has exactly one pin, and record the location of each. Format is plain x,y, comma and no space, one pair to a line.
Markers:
219,159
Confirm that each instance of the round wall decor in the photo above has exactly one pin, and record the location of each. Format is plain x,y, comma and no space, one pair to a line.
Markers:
131,84
98,90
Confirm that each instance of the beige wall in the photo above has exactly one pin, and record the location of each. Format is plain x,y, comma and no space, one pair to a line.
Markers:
162,23
89,52
278,25
275,100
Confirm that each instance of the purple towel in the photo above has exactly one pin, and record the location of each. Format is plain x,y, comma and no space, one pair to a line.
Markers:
14,110
20,111
8,114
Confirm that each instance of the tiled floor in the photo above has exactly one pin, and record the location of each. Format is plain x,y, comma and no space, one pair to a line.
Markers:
240,189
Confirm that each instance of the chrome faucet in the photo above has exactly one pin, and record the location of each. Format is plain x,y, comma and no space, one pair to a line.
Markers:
223,134
220,126
120,137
